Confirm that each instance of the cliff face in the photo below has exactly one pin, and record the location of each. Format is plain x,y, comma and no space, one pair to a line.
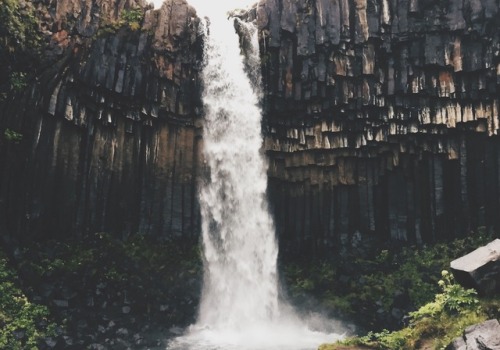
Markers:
381,118
110,124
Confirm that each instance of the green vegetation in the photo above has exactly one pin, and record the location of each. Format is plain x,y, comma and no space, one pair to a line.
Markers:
94,287
413,281
20,44
18,27
371,290
22,323
18,81
159,282
12,136
130,19
146,272
436,323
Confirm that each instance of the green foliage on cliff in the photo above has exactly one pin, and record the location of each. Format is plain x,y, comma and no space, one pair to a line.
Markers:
18,81
129,18
20,44
22,323
18,27
12,136
132,18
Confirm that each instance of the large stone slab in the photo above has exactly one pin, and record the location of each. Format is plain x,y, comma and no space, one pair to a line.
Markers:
484,336
480,269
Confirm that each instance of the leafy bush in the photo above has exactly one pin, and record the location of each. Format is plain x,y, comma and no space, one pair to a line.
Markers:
145,272
20,44
132,18
22,323
129,18
441,320
18,26
18,81
454,297
368,290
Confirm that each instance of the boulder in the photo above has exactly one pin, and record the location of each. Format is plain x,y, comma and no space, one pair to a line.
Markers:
484,336
480,269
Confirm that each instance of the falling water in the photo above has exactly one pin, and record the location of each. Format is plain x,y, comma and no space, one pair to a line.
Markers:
240,306
240,285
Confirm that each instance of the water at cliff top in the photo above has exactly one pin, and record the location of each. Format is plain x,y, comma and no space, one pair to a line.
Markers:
240,307
204,6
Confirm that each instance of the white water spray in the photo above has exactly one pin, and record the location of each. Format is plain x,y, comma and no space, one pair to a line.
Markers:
240,307
240,284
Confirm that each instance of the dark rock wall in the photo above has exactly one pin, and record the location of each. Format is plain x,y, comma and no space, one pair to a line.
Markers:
381,118
381,121
110,127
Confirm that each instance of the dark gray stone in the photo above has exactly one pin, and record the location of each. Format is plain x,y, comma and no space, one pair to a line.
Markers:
483,336
457,344
327,22
480,269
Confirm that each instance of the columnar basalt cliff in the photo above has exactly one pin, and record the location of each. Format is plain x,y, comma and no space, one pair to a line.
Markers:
110,126
382,118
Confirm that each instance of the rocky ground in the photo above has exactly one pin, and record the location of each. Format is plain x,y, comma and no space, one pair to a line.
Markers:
111,294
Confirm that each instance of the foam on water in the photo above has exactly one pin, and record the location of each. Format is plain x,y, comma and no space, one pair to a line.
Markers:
266,336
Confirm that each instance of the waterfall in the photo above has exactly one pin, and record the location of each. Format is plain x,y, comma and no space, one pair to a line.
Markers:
240,306
240,251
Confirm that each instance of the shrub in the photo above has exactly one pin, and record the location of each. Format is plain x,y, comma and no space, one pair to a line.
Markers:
20,45
441,320
367,290
18,27
18,81
148,271
22,323
130,18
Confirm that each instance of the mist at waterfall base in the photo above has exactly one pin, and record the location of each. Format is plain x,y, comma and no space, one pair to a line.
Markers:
240,305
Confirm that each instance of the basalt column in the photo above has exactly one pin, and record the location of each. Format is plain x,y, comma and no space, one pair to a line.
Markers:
110,125
381,119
